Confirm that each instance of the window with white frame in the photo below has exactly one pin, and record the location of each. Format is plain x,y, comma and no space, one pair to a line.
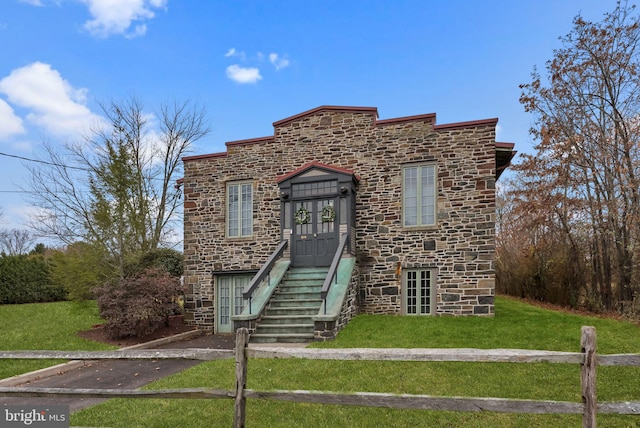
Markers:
239,210
419,195
419,288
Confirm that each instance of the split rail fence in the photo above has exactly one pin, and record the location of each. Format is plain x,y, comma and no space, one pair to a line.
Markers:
587,358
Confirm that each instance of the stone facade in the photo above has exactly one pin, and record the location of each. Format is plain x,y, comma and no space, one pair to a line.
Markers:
460,248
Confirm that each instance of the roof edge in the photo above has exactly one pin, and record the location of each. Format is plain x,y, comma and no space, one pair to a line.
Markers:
428,116
322,108
316,164
207,156
507,146
249,141
469,124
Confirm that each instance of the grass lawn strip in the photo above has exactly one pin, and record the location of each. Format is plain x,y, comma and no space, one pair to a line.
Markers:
45,326
516,325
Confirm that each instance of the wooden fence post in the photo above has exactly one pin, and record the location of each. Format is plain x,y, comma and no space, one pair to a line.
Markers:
242,339
588,376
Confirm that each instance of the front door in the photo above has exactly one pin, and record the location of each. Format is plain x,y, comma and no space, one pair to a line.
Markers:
314,237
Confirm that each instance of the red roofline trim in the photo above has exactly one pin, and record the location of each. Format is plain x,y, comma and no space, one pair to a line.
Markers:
483,122
250,141
505,145
312,165
429,116
207,156
331,108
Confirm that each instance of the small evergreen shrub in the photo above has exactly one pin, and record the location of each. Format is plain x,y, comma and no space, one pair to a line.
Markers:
139,304
25,279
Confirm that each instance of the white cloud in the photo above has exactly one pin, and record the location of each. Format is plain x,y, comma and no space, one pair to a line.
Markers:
117,16
234,53
10,124
243,75
32,2
278,62
53,103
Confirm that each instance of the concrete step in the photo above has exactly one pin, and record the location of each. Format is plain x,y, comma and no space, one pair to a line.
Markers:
292,311
295,303
286,319
289,315
305,275
285,329
287,288
296,295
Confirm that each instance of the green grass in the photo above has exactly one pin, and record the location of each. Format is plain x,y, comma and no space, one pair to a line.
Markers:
516,325
45,326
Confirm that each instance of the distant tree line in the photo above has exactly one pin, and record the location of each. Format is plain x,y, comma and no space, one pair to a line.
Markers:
73,272
568,227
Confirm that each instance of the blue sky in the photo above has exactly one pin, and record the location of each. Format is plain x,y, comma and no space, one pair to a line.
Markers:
251,63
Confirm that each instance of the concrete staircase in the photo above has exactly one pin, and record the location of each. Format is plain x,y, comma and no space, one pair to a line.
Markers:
288,316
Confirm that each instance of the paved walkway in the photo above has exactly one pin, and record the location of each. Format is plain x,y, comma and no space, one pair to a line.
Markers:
107,374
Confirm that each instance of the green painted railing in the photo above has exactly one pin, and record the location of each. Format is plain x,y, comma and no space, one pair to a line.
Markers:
265,271
332,275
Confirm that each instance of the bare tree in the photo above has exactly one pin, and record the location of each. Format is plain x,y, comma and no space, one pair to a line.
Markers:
586,170
15,241
116,188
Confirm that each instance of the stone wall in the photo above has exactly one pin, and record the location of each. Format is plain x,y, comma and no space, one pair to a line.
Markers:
460,247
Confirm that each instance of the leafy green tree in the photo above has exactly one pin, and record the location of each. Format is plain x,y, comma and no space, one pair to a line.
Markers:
168,259
80,268
116,188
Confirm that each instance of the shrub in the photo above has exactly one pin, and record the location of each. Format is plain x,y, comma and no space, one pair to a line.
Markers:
25,279
79,268
165,258
139,304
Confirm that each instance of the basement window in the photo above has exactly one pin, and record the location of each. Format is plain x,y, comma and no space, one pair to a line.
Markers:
419,291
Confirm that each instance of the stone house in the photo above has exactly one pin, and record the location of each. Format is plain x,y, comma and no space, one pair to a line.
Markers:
401,210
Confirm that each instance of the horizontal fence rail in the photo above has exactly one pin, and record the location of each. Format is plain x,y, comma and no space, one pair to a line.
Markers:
587,359
143,354
420,354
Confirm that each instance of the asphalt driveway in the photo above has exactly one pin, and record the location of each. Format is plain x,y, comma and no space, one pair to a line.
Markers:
113,374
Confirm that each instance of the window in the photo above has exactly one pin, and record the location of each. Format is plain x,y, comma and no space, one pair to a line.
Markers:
419,291
419,195
239,210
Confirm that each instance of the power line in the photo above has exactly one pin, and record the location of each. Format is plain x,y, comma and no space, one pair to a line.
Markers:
43,162
51,164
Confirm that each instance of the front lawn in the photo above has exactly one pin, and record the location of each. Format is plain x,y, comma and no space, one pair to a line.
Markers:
45,326
516,325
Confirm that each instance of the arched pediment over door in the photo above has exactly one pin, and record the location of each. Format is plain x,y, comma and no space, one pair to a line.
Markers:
317,207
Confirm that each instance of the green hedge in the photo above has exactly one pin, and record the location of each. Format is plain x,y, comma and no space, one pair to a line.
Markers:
25,279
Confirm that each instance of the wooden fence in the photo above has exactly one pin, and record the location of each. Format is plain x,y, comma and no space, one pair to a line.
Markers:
587,358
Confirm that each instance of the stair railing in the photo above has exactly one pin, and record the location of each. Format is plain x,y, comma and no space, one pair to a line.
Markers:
332,275
265,271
